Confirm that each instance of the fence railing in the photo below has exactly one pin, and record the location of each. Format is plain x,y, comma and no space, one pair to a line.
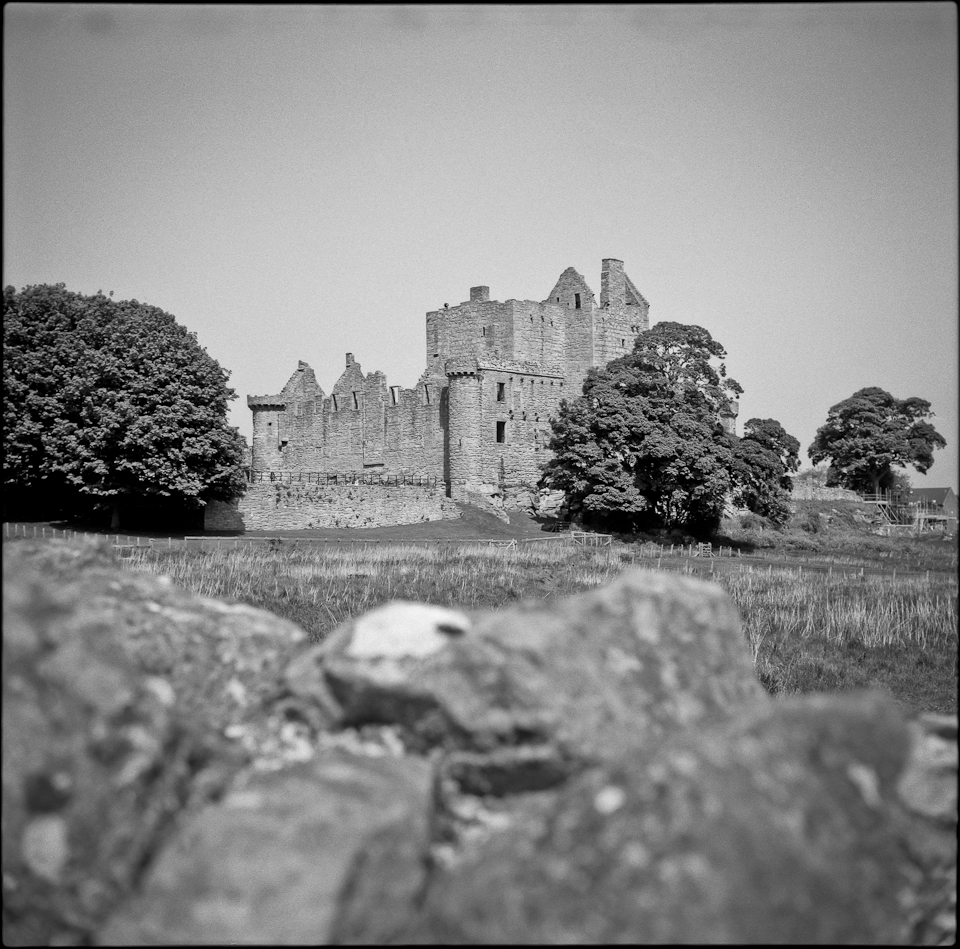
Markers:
350,477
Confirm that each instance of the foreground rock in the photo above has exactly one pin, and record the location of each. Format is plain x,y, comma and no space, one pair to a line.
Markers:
520,699
118,694
266,865
157,790
785,825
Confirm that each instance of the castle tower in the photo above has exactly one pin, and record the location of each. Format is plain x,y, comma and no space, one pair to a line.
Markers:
268,418
464,413
728,416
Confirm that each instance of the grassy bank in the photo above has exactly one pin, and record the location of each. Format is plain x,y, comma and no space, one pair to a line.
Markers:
809,629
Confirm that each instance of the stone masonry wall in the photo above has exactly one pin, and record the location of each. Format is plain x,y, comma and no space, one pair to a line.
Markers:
298,506
530,399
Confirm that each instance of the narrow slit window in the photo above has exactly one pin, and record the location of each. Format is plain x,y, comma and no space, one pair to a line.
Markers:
356,401
426,393
501,392
501,432
576,301
394,395
335,406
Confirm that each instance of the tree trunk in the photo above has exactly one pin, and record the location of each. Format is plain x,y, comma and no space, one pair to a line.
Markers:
115,516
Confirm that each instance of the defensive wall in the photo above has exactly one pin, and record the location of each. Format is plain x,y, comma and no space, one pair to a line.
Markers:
304,506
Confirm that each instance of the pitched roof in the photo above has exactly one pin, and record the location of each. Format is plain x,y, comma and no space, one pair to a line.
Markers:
936,495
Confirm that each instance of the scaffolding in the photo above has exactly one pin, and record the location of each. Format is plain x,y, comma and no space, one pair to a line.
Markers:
893,507
898,510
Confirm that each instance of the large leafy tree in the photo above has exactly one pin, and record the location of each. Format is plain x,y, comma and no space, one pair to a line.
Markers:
870,433
114,399
764,457
643,445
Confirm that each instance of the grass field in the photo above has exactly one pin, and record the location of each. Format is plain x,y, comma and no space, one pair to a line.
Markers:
811,625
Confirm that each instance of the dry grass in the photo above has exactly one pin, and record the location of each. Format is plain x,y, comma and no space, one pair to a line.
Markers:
809,631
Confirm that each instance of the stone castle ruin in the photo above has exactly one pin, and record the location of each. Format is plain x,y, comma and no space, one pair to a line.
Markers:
475,427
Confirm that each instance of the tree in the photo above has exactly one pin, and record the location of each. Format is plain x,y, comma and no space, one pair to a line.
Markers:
643,445
868,434
765,455
115,399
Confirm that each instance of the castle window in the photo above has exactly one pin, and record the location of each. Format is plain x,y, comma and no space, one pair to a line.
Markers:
336,408
501,392
623,342
558,299
394,395
576,301
356,401
501,432
426,393
483,332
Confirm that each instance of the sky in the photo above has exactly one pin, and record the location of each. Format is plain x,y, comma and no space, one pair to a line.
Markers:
299,182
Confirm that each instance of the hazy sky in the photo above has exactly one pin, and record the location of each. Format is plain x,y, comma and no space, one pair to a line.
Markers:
299,182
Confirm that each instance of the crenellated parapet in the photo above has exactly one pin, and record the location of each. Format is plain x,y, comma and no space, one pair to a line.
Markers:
265,401
461,366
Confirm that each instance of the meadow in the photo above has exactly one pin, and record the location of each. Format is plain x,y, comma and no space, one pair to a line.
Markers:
816,624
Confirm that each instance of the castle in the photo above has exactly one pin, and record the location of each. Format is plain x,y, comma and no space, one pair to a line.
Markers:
477,420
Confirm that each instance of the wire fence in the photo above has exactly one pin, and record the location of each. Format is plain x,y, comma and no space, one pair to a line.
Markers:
711,559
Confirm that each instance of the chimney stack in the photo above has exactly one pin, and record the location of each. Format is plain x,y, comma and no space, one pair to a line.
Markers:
349,360
613,284
479,294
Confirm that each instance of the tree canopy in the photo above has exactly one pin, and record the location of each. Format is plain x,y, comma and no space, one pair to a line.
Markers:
644,446
765,456
867,435
115,399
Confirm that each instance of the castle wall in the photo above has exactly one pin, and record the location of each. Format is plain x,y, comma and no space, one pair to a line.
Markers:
298,506
539,333
613,332
530,399
414,433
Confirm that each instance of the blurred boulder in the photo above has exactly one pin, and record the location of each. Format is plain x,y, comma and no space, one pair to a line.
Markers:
118,693
268,863
521,698
780,826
